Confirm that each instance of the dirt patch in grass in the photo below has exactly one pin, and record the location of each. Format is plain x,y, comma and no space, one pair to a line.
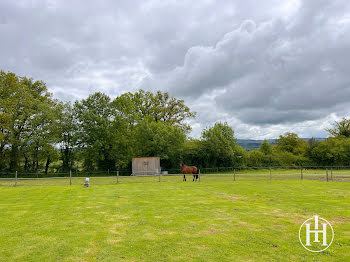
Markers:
150,236
340,220
236,198
274,212
208,232
113,241
167,232
233,197
202,247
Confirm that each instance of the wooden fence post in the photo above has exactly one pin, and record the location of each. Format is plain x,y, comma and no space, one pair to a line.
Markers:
117,177
199,175
159,175
234,174
270,174
16,178
327,174
301,173
70,177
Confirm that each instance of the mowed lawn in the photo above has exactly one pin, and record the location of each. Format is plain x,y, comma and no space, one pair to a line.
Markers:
214,220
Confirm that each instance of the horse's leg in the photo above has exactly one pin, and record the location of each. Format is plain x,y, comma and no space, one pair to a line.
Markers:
193,178
184,179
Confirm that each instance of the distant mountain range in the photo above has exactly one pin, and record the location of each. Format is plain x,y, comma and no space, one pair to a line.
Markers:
250,144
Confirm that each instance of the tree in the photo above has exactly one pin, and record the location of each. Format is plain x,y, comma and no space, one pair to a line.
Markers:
324,153
49,154
219,145
192,152
66,130
285,158
4,125
311,144
287,142
160,139
341,128
22,100
4,129
105,134
96,137
255,158
159,107
40,134
265,147
332,151
290,142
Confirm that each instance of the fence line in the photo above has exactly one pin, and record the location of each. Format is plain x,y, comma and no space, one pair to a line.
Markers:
129,172
322,173
176,171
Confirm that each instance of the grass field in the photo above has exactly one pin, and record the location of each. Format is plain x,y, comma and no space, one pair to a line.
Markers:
214,220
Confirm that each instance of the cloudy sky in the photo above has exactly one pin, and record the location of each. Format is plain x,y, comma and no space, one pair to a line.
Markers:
265,67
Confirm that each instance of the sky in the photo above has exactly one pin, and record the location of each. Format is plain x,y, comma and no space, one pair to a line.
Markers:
265,67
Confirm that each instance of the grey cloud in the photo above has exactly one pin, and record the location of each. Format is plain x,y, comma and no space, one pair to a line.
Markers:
276,71
260,65
270,116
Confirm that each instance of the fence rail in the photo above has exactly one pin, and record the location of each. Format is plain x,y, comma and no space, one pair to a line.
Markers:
321,173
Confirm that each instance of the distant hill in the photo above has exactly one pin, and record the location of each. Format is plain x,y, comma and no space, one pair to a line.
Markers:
250,144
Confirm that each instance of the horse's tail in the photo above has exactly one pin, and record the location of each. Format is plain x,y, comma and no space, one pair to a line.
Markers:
197,170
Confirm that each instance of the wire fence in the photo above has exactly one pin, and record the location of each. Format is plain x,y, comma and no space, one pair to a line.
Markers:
324,173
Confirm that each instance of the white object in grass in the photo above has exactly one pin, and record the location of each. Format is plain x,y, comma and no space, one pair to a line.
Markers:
87,182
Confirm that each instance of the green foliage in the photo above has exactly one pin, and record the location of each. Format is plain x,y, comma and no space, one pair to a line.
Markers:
112,132
266,148
291,143
333,151
26,118
67,135
101,132
160,139
159,107
219,147
255,158
341,128
192,152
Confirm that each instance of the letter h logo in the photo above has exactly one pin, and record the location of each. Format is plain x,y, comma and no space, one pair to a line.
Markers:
316,232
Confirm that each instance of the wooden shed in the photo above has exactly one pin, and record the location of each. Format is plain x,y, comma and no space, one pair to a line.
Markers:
145,166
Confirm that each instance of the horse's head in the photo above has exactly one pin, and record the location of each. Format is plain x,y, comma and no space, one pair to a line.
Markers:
181,164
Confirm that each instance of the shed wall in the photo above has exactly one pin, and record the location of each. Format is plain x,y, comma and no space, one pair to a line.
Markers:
145,165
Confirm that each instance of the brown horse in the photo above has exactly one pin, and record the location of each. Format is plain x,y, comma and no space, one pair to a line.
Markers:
189,170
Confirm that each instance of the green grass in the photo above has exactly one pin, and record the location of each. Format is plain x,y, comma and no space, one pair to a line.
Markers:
144,220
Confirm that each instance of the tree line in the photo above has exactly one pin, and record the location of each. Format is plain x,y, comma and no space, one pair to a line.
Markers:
41,134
